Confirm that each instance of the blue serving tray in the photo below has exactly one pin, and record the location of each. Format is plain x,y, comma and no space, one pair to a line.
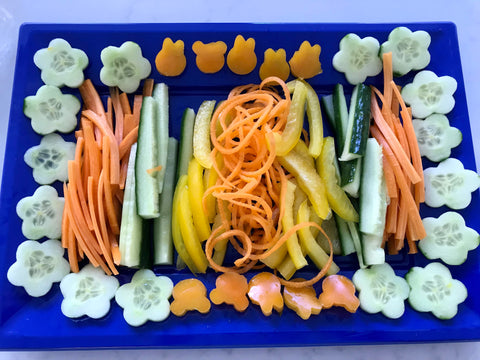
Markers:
37,323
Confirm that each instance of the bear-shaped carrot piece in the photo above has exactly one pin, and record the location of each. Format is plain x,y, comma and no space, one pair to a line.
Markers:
302,300
275,64
171,60
338,290
264,289
210,57
231,288
305,62
241,58
189,295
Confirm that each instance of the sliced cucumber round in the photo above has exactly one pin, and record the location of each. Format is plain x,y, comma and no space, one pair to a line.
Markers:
436,137
380,290
49,159
61,64
358,58
38,266
145,298
448,238
429,93
51,111
450,184
87,292
41,214
432,289
409,49
124,66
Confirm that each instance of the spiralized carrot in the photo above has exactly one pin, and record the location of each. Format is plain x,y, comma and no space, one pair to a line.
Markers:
251,184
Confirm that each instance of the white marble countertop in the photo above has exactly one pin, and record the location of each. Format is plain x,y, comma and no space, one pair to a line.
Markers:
465,14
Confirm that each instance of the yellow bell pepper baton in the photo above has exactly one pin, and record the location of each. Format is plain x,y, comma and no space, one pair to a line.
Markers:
195,195
201,134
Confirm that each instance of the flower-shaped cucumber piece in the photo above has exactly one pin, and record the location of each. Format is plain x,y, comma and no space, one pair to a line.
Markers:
41,213
189,295
61,64
145,298
429,93
409,49
436,137
450,184
380,290
38,266
231,288
432,289
49,159
358,58
124,66
264,289
448,238
87,292
50,110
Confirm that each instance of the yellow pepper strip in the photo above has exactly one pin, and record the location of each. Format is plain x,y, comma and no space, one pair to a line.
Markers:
338,200
221,246
187,229
210,178
195,194
309,180
293,247
302,149
201,134
176,234
276,258
293,128
308,243
287,268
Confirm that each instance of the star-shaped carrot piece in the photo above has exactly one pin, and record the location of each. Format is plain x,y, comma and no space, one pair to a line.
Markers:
231,288
241,58
302,300
275,64
189,295
264,290
171,60
305,62
210,57
339,290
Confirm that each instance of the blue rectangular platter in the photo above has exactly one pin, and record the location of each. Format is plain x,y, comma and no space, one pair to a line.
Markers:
37,323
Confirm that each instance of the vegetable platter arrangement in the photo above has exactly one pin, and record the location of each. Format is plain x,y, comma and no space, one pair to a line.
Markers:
213,185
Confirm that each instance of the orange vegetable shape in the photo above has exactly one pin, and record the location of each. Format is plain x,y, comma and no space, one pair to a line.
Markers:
305,62
231,288
171,60
275,64
189,295
264,290
241,58
302,300
338,290
210,57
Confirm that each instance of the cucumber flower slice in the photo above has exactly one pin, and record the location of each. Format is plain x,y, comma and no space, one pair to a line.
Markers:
87,292
49,159
380,290
38,266
124,66
61,64
432,289
448,238
51,111
145,298
429,94
358,58
41,214
450,184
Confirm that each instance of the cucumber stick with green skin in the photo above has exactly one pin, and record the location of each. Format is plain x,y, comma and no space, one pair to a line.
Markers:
160,94
185,149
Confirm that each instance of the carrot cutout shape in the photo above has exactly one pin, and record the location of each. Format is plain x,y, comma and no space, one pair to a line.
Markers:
305,62
171,60
302,300
210,57
275,64
241,59
189,295
231,288
264,290
338,290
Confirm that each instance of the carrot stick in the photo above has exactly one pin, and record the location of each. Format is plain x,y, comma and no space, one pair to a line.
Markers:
92,149
117,107
127,110
392,189
92,101
392,215
137,105
387,82
127,142
148,87
109,205
109,113
128,124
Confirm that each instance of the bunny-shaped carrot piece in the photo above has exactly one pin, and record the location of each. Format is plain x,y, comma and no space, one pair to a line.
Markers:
171,60
264,290
305,62
338,290
231,288
210,57
241,58
189,295
275,64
